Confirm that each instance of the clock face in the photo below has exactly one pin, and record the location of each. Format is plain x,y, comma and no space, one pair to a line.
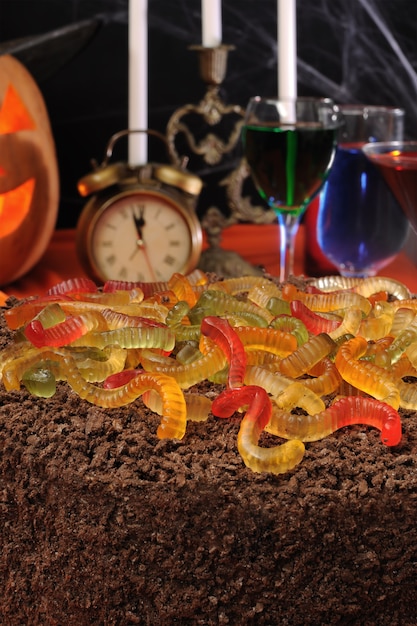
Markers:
142,236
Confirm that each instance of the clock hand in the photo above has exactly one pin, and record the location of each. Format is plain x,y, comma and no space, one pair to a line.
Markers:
140,242
139,224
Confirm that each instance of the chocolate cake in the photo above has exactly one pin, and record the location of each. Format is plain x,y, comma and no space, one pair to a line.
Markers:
102,523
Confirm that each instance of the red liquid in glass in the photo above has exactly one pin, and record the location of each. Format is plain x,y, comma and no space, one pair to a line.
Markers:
399,169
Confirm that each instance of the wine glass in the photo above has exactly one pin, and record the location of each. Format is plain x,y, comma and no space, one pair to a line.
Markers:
397,161
360,224
289,146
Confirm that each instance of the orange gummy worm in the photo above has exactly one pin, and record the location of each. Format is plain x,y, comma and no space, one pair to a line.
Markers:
272,340
326,377
183,289
198,406
174,412
374,380
307,355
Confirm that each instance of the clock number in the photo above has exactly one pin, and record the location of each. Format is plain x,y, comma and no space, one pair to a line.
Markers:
169,260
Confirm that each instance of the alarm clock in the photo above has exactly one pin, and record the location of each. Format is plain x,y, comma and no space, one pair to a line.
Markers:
139,224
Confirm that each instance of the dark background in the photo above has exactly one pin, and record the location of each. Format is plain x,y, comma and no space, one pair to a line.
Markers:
350,50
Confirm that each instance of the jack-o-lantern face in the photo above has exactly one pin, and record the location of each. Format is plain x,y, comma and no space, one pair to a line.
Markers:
28,172
14,204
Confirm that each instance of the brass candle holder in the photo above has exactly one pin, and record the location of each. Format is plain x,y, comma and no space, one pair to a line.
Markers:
215,157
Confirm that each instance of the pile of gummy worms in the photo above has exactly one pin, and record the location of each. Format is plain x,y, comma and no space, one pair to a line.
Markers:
277,351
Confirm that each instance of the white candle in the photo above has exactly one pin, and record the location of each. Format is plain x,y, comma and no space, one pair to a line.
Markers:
211,23
287,49
138,81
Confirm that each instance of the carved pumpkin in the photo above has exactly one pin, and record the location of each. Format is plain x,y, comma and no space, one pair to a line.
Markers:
29,179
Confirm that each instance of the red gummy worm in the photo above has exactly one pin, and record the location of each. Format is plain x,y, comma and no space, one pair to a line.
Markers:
120,378
73,285
314,322
360,410
63,333
230,400
220,331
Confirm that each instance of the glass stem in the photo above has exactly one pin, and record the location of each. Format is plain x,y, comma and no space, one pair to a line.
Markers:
288,227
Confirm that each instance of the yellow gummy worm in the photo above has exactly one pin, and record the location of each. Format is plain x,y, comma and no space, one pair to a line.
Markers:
276,460
188,374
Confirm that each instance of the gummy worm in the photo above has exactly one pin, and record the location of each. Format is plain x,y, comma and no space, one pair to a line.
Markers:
277,459
290,324
299,395
183,289
273,382
73,285
285,391
115,320
220,303
190,373
65,332
174,412
94,370
278,306
408,391
364,287
326,377
379,323
262,292
272,340
40,380
177,314
220,331
51,315
117,298
307,355
238,285
327,302
344,412
14,369
148,288
402,318
374,380
314,322
25,312
198,406
261,357
350,323
130,337
403,340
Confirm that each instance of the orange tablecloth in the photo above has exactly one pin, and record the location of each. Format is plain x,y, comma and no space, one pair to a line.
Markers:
256,244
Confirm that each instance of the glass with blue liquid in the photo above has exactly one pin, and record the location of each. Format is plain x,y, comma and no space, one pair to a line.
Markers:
360,225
